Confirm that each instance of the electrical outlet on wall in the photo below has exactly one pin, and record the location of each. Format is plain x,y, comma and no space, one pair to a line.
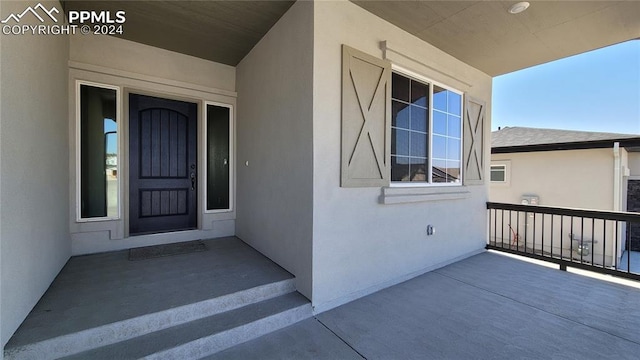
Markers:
430,230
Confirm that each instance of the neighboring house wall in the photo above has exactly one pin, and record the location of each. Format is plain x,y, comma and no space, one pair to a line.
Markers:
275,143
634,164
153,71
34,183
359,244
560,178
583,179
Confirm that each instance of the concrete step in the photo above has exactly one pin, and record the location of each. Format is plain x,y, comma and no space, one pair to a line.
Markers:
116,332
207,336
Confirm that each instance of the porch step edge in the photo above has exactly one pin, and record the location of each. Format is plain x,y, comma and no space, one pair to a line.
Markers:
215,343
113,333
202,337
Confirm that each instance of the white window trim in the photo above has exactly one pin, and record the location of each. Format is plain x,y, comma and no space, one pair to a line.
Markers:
403,184
402,195
78,154
231,157
506,164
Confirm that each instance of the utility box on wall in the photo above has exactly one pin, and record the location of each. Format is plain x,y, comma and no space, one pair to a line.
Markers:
529,199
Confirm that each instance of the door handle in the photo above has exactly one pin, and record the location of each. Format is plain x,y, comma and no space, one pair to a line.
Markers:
193,181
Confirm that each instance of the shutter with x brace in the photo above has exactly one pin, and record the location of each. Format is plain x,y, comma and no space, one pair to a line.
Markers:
474,120
366,119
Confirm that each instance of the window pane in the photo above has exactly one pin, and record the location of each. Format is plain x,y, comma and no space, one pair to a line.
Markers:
399,142
453,128
418,144
439,171
400,87
399,114
419,93
453,149
439,149
399,168
439,98
453,171
98,153
439,123
218,157
418,119
419,169
498,173
416,135
454,103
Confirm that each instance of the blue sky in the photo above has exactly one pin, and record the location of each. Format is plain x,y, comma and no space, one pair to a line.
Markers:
594,91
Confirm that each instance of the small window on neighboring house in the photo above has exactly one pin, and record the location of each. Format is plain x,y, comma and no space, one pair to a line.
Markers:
98,150
426,132
499,173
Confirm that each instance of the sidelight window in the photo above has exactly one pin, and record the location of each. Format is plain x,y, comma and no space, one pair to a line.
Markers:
98,124
219,127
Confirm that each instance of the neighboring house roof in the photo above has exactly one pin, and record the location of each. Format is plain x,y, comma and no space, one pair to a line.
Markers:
523,139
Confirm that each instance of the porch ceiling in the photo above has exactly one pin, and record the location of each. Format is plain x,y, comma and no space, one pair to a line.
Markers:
480,33
485,35
220,31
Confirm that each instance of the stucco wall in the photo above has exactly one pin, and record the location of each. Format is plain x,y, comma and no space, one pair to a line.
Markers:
634,163
34,179
275,137
137,58
572,178
360,245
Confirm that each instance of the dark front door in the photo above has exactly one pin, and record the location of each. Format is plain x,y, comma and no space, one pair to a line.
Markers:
162,165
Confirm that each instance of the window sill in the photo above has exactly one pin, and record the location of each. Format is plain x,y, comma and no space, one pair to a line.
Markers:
403,195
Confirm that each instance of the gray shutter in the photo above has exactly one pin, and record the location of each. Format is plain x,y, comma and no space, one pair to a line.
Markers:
474,120
366,119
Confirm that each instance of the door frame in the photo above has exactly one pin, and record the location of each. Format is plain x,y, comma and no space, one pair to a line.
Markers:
126,157
93,236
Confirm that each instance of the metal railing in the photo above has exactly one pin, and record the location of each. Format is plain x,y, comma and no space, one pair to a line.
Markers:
601,241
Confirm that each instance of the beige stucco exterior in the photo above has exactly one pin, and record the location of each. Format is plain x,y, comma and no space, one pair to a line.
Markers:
359,244
634,165
573,178
275,139
582,179
34,228
340,243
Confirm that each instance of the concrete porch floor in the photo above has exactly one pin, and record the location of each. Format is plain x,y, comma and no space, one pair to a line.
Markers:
95,290
486,307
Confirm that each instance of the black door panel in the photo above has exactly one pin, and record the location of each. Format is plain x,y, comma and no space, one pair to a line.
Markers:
162,165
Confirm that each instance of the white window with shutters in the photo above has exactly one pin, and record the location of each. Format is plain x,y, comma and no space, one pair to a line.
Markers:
406,133
426,131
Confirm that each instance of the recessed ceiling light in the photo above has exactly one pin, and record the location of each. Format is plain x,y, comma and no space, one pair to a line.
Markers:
519,7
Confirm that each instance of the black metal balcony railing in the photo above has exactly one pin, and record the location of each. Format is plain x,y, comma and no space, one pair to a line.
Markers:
601,241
